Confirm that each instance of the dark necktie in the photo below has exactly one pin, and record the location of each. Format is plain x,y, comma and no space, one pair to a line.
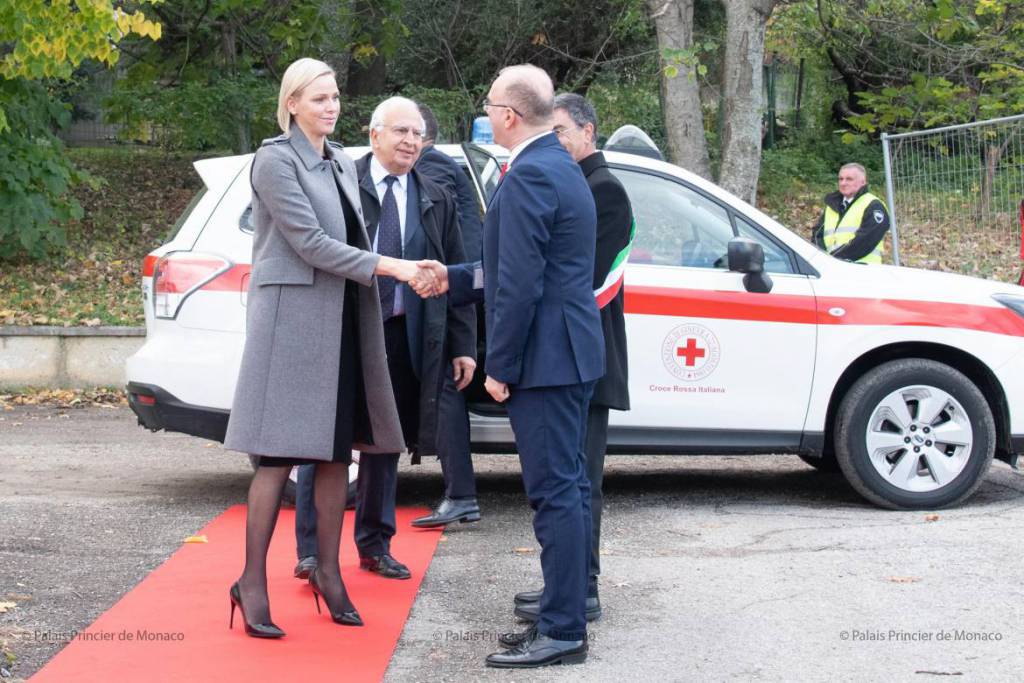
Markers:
389,243
846,205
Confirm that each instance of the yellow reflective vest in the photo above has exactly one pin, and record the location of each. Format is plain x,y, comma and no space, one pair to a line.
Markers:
838,231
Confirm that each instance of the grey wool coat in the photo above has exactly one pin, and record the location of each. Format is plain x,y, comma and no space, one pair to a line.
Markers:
287,390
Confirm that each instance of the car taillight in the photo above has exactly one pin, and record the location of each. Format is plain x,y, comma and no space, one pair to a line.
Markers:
179,273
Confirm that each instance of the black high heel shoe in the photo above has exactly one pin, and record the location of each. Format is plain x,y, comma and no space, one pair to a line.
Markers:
347,615
268,630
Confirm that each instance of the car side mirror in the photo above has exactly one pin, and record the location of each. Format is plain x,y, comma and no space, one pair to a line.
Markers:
747,256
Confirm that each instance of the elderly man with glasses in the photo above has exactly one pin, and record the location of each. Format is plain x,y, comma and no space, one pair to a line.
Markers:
412,216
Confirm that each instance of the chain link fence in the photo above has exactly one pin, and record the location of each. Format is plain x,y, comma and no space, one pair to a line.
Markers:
955,196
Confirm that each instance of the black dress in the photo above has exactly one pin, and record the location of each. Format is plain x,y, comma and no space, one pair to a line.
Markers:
351,394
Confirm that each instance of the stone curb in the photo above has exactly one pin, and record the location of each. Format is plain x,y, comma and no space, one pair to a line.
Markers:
48,357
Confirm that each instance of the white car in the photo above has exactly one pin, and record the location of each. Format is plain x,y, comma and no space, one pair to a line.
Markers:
909,381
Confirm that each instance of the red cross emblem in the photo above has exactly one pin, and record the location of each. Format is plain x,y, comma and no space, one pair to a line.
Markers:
690,352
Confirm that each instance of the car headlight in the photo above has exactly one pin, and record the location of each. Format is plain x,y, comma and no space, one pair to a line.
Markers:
1015,302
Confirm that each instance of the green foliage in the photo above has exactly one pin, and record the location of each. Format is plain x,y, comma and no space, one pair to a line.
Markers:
911,64
35,176
797,174
454,109
618,104
49,39
193,115
464,44
44,41
212,82
95,280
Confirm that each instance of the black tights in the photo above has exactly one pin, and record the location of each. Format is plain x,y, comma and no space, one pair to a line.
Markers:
330,488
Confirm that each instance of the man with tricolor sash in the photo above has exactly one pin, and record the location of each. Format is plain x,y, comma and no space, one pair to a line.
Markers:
853,225
575,123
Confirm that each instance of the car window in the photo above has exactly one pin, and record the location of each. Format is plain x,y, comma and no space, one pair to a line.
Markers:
173,232
776,259
675,225
245,223
486,168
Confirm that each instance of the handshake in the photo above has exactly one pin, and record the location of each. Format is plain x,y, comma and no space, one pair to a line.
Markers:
427,278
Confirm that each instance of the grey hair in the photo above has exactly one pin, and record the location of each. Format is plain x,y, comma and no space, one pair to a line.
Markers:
535,104
382,109
579,109
854,164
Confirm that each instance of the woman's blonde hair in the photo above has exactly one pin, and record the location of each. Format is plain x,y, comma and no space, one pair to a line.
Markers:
296,77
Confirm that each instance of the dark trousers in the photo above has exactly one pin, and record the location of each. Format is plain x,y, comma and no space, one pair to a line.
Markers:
378,472
305,513
453,441
550,429
597,444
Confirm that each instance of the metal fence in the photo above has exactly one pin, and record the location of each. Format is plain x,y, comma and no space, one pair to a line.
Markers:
99,134
955,194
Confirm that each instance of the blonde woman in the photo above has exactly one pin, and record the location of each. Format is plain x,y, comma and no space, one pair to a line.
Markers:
314,380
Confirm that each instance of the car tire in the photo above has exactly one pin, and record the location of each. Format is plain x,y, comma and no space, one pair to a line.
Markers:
914,434
288,495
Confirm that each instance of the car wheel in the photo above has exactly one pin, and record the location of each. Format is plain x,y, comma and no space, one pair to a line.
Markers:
288,495
823,463
914,434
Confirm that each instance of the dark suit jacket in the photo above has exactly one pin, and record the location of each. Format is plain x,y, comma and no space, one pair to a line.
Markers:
614,221
543,326
444,171
437,331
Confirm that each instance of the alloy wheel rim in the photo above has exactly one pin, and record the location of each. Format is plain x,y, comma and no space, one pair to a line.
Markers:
919,438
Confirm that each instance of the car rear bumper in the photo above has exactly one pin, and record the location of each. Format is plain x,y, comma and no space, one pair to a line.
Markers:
159,409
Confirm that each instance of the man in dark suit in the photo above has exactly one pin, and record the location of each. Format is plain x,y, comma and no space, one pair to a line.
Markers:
459,503
575,124
443,170
545,348
407,214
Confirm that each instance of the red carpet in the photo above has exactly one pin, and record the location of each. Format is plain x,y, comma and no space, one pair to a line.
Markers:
185,602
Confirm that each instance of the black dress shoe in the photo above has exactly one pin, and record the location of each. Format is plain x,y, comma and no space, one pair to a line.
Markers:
512,639
540,651
530,611
526,597
386,566
305,567
449,511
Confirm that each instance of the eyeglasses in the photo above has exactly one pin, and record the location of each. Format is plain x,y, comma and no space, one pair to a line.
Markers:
402,131
486,104
561,131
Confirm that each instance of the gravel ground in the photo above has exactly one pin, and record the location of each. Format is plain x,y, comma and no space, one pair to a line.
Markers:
718,568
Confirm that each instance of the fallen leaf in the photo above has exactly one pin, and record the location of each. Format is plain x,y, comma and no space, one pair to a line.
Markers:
4,606
931,518
903,579
522,551
197,539
91,322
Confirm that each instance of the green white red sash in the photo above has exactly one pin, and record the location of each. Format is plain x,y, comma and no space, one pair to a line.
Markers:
609,289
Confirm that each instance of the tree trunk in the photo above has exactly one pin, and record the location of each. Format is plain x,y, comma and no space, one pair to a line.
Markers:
243,137
369,78
742,95
334,49
680,96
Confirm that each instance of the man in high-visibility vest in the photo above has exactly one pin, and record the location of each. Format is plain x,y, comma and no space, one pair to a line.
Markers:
853,225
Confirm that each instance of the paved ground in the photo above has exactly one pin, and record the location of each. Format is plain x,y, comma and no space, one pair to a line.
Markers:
714,568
